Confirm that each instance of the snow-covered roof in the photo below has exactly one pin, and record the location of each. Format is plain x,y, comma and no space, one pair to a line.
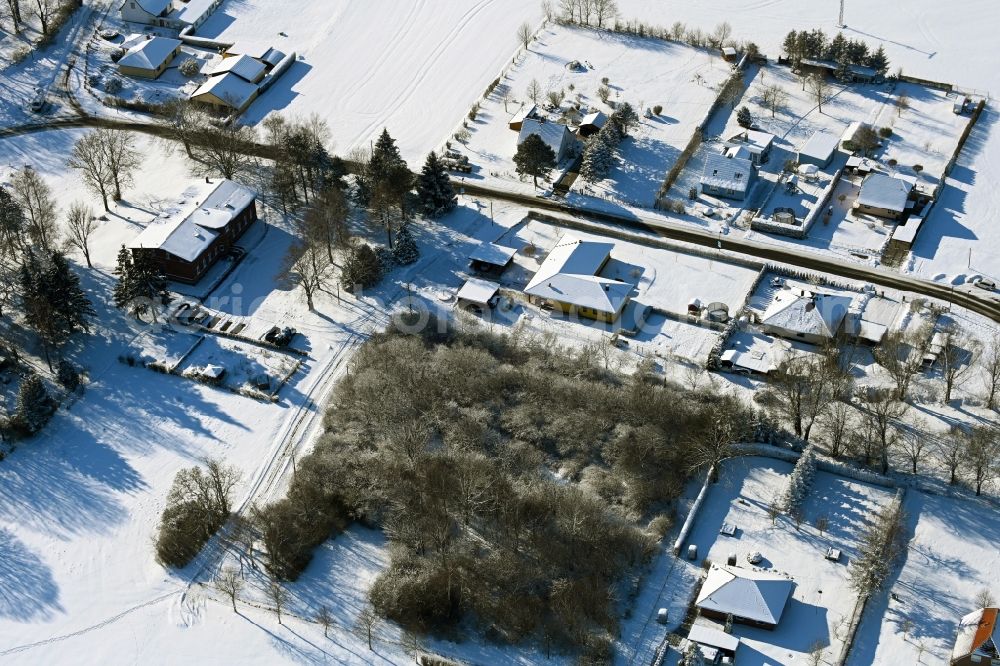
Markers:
477,291
228,87
850,134
811,313
569,275
493,254
188,227
262,52
739,150
731,173
712,637
596,119
758,141
243,66
526,111
820,146
555,135
978,635
154,7
150,53
192,11
759,596
757,360
881,190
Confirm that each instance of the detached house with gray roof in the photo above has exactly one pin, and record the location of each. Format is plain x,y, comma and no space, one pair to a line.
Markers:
728,176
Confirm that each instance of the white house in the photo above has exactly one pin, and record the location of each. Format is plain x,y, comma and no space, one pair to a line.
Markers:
243,66
750,596
809,316
226,92
150,12
726,176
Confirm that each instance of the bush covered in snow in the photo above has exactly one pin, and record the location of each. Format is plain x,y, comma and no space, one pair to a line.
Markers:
189,67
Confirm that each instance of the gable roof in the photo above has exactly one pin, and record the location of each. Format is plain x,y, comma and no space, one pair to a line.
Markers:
150,53
242,66
759,596
597,119
758,141
713,637
187,228
154,7
731,173
192,11
879,190
978,634
569,275
820,146
802,311
555,135
477,291
228,87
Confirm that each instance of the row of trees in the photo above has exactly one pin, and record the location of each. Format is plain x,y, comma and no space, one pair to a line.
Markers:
815,44
582,12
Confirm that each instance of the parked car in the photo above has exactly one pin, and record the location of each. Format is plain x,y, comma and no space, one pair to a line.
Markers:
985,283
280,337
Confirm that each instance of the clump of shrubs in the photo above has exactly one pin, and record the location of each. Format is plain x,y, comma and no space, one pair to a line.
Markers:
189,67
197,506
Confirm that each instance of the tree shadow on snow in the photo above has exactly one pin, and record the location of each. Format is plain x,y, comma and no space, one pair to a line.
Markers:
27,589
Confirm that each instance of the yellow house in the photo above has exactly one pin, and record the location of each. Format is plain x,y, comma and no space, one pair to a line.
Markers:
149,58
568,280
226,92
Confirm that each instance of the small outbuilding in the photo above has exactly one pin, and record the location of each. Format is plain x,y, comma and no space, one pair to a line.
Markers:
555,135
885,196
592,123
478,294
729,177
756,143
818,150
517,120
150,57
751,596
729,54
491,258
716,646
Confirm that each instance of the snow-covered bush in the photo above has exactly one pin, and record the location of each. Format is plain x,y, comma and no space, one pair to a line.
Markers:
189,67
405,252
113,85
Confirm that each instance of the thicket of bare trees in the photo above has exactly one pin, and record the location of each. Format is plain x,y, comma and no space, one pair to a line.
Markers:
197,506
450,443
106,160
598,13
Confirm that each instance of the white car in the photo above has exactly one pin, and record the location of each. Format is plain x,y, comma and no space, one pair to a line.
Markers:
985,283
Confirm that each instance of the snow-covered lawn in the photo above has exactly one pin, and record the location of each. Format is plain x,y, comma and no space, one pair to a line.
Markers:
644,72
952,556
244,364
412,67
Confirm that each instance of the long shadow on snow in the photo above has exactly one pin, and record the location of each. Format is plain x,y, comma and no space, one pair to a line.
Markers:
27,590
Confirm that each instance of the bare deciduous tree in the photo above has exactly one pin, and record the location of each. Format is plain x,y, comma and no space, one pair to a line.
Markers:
605,11
836,421
982,456
881,410
902,104
773,96
325,221
367,622
958,356
902,356
950,450
534,91
991,366
308,265
225,151
44,10
121,156
524,34
325,619
984,598
721,34
89,159
819,86
14,13
80,226
34,196
278,596
914,443
229,583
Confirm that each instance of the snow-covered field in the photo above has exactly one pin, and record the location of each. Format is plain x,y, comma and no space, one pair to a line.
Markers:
952,557
414,68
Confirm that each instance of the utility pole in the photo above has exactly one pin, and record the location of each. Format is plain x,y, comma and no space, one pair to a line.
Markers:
841,21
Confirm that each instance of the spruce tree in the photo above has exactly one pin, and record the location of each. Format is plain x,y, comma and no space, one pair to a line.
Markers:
879,61
692,655
54,305
34,405
140,283
362,267
388,172
534,158
744,118
405,251
434,189
799,482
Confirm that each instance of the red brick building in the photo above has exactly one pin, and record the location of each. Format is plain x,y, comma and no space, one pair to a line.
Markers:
199,229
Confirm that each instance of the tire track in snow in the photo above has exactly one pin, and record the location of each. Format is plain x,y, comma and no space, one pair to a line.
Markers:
422,73
397,40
